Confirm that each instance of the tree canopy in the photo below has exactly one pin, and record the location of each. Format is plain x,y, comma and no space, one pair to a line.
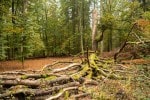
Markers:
42,28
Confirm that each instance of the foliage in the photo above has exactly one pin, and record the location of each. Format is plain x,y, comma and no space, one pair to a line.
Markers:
38,28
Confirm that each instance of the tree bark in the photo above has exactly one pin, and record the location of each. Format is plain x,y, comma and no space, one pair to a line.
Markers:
94,30
61,93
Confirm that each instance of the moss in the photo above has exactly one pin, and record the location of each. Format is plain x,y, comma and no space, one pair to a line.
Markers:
113,76
50,78
81,73
90,74
24,77
97,69
66,95
44,75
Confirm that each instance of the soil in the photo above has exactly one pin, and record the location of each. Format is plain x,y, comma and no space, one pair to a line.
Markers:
32,64
38,64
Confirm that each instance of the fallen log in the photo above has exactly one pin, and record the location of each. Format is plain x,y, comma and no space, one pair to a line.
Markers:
12,73
36,83
57,88
38,92
52,84
6,77
96,70
37,76
60,80
28,76
31,83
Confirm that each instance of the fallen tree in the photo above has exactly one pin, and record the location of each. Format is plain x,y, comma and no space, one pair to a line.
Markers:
55,83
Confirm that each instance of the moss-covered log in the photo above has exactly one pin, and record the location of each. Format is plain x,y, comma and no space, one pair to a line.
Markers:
96,69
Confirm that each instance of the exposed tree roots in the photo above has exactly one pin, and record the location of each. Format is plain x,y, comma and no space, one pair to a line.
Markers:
57,83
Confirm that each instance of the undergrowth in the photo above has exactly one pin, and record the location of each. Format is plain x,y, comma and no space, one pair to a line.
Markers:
135,87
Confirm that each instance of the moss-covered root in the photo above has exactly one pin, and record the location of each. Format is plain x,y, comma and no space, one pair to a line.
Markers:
93,70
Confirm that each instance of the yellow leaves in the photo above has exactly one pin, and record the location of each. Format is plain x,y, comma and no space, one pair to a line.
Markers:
144,26
142,22
13,30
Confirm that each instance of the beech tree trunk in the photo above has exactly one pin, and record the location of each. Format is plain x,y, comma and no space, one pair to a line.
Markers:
94,30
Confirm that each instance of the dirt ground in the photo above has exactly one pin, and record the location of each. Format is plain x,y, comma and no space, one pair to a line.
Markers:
32,64
38,64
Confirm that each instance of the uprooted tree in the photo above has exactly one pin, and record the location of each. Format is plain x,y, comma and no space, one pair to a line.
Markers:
51,83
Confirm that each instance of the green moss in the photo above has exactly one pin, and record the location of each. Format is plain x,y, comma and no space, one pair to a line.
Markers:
44,75
24,77
50,78
82,72
89,76
66,96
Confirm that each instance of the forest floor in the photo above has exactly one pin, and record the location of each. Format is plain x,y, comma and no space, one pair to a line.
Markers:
33,64
39,63
136,86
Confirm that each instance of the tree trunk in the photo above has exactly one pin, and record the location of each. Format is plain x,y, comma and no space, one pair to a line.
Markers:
45,31
81,29
109,47
13,23
94,30
101,14
73,16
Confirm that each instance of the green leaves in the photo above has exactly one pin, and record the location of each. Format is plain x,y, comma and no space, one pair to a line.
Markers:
54,27
107,21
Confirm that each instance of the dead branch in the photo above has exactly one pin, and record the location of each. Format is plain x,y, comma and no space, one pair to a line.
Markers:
75,65
6,77
36,83
37,76
20,82
121,65
12,73
61,93
60,80
57,88
7,94
27,76
81,95
55,63
141,42
90,82
124,44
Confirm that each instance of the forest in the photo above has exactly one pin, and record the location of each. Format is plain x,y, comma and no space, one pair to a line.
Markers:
75,49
